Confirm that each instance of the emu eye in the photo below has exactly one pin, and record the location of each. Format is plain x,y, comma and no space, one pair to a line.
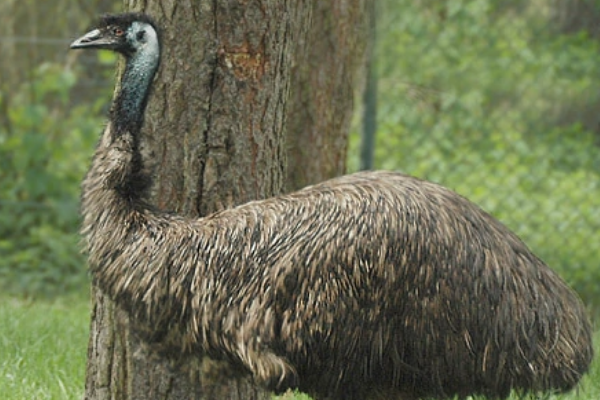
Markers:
140,35
118,31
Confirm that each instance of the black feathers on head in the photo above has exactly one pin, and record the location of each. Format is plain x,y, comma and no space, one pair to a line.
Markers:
124,20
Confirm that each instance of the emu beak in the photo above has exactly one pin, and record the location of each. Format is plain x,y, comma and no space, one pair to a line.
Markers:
93,40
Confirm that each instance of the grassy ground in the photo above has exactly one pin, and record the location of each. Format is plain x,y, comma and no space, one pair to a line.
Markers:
43,350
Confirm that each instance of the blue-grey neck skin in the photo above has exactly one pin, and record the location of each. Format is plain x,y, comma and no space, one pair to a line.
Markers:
128,110
131,100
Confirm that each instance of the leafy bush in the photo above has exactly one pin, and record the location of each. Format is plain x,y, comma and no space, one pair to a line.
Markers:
485,98
44,151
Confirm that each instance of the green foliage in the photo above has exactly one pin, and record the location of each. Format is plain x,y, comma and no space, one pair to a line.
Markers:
44,151
487,99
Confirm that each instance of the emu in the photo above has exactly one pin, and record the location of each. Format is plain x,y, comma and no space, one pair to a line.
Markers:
371,285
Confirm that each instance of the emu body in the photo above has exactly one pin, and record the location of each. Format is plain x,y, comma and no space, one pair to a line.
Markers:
375,282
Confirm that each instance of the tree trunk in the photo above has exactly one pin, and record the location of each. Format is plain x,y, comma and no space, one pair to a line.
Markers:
213,138
327,72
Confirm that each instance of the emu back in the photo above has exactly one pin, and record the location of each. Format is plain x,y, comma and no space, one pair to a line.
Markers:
391,282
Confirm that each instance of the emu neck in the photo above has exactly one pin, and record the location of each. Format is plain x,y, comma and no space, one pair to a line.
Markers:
129,105
123,176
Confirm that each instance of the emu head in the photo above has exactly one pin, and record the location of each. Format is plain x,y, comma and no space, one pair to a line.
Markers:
128,34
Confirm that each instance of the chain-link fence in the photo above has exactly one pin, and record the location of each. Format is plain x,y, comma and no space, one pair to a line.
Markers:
50,115
498,101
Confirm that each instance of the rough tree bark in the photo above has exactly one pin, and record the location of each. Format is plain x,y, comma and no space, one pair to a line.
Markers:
213,138
327,71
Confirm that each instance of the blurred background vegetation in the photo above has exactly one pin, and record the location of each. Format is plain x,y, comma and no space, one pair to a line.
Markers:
496,100
51,114
500,102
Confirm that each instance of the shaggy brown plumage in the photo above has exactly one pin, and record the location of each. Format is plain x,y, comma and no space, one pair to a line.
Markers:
372,284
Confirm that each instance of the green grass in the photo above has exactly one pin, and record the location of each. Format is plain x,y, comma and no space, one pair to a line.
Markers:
43,350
